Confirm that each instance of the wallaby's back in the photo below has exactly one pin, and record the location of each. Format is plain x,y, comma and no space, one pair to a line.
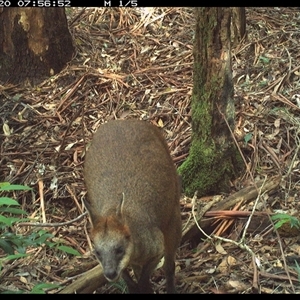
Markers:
133,200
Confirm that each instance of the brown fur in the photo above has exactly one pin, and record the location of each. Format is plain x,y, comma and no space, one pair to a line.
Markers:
133,201
110,223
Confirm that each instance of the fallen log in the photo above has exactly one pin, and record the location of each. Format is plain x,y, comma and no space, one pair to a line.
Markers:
87,283
192,233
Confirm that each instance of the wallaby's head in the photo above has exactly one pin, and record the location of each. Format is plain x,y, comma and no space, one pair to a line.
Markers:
112,242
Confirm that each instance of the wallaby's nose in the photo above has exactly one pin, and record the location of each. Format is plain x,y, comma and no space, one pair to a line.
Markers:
111,275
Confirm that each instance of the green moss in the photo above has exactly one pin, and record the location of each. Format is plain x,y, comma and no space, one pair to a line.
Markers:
208,169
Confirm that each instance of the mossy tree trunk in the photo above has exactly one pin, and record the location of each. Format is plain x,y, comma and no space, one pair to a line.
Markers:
35,43
213,157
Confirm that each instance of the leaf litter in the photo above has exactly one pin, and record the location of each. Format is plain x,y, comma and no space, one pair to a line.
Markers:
137,63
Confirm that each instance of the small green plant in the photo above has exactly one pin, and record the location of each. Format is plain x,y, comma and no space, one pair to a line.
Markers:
297,268
248,137
264,59
37,289
282,218
120,285
15,245
9,215
263,83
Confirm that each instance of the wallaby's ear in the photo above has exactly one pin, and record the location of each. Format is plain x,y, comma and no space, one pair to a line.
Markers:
120,207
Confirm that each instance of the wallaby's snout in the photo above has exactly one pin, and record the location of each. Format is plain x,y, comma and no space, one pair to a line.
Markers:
110,260
133,201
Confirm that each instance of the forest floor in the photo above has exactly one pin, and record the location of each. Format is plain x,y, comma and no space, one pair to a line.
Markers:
138,63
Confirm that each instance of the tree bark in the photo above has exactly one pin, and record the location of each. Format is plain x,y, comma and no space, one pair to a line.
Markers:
35,43
213,157
238,24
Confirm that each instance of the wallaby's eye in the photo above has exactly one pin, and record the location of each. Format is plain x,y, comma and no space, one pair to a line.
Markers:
97,253
119,251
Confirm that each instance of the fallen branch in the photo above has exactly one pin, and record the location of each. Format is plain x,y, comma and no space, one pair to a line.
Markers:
87,283
244,196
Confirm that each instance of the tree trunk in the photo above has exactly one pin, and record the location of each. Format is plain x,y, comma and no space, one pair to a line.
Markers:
238,24
35,43
213,158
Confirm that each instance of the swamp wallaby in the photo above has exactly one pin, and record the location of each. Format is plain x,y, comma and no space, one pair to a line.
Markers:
133,196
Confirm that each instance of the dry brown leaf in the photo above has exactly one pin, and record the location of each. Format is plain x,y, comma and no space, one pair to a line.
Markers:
237,285
220,249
